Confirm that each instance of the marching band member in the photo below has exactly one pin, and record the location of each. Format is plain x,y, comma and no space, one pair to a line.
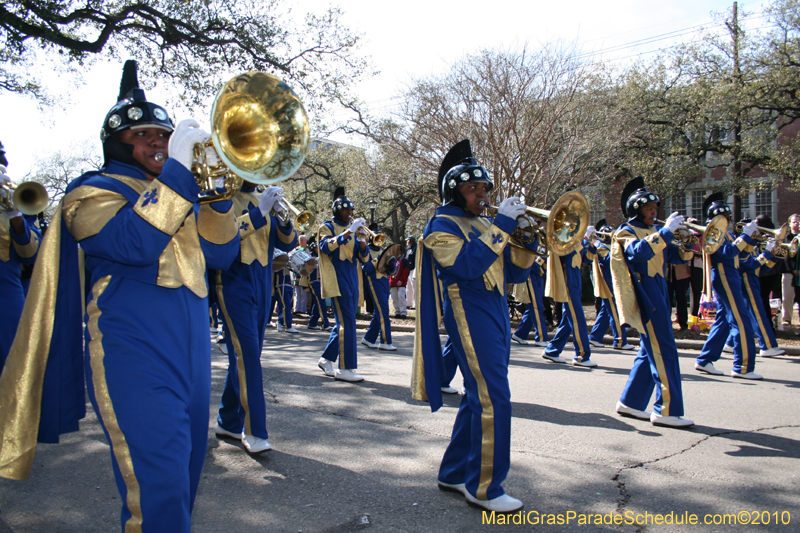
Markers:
19,244
341,281
732,314
531,293
377,283
284,296
639,255
750,262
565,286
243,294
146,242
469,256
319,309
603,289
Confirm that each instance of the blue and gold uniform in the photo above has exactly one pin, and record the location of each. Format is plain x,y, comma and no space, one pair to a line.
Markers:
564,285
732,312
469,256
378,286
319,309
341,281
284,294
639,257
531,293
603,289
244,292
15,250
749,265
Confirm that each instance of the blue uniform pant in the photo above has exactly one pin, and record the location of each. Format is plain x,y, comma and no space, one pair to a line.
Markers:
243,406
342,343
10,313
148,369
605,318
380,317
572,320
284,309
480,447
732,315
319,309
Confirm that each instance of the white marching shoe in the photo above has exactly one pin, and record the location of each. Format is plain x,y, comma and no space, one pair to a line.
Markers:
626,347
460,488
347,375
387,347
449,390
748,375
540,344
254,444
771,352
670,421
518,340
596,344
708,368
220,431
585,364
326,366
292,329
727,348
368,344
553,358
624,410
501,504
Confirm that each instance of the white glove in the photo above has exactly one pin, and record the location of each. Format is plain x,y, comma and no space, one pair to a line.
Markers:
673,222
4,193
750,228
511,207
269,199
357,224
590,230
770,244
183,139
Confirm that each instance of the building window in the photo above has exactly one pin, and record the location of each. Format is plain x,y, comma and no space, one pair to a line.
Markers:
597,208
697,205
745,203
677,203
764,204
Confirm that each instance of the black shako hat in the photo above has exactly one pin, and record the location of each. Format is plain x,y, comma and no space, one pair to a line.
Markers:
132,109
634,196
459,167
340,201
715,205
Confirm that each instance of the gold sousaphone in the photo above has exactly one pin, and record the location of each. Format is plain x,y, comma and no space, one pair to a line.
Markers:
260,132
560,230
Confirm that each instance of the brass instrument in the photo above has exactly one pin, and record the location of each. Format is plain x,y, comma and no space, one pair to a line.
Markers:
713,234
378,239
604,235
560,230
29,198
762,235
260,132
302,219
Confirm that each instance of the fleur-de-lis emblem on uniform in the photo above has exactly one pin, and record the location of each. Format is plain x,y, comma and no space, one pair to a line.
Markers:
655,240
150,197
496,238
244,226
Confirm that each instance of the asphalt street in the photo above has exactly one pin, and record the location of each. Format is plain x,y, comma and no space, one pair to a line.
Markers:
353,457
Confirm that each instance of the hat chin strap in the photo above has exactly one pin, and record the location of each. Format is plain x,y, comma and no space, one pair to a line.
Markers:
117,150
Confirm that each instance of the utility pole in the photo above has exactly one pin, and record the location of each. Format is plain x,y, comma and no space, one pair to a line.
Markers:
733,27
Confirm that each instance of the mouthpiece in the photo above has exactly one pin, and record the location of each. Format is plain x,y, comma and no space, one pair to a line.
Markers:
159,157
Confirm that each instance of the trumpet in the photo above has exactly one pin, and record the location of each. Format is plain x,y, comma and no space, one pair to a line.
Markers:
302,219
764,234
260,132
603,235
713,234
29,198
378,239
560,229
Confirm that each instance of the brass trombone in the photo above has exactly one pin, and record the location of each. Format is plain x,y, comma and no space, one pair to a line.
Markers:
260,132
713,234
302,219
29,198
560,230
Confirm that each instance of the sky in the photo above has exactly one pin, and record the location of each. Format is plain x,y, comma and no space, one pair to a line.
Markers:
405,40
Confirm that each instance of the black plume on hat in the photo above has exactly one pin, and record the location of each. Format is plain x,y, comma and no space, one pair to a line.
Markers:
632,186
130,82
338,192
600,223
713,197
458,153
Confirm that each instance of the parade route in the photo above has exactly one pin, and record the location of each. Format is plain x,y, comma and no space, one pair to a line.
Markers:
364,456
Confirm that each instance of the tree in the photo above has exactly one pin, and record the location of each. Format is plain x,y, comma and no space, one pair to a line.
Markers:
196,46
56,169
529,117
